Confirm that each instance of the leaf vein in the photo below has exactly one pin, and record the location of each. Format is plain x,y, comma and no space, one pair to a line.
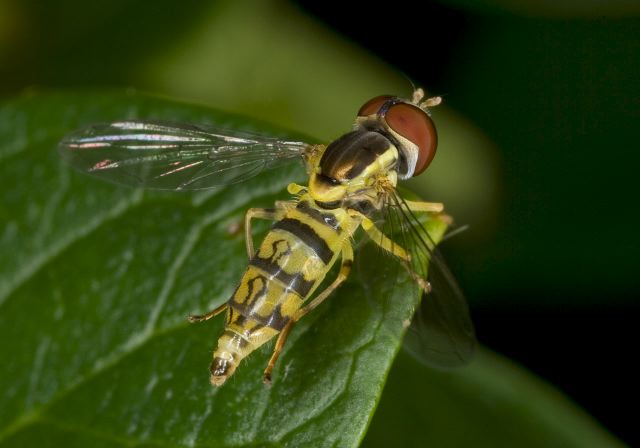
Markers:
50,253
69,427
51,207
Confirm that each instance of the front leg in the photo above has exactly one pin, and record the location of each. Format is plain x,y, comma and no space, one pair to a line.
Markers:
427,207
388,245
273,214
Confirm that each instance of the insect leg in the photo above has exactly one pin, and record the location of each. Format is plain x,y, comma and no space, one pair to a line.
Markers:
345,269
202,317
394,249
420,206
273,214
384,241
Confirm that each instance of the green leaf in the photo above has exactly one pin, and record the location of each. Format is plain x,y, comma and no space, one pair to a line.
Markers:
491,403
95,284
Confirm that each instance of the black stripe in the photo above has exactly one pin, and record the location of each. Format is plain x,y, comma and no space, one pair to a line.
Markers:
324,218
332,205
274,320
241,320
294,282
251,297
366,206
242,342
308,236
230,316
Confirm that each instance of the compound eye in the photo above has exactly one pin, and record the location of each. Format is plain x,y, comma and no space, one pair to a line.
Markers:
373,105
415,125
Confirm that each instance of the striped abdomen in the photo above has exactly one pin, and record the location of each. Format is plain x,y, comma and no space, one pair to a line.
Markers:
292,260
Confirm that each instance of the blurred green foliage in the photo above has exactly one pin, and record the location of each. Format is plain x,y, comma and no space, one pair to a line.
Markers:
563,99
492,403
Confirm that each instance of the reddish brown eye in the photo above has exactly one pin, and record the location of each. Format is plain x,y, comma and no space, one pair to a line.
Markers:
373,106
415,125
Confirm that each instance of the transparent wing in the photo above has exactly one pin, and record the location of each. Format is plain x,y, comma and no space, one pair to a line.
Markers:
441,333
168,156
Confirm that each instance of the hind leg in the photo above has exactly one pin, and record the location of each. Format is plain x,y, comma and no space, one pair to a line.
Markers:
345,269
202,317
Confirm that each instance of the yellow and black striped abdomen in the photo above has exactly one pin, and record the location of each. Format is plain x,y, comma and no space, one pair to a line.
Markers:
291,262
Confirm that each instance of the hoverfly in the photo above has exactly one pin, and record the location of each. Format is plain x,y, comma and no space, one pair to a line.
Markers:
352,184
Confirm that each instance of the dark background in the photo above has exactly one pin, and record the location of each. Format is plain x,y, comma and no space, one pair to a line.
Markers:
558,92
551,272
